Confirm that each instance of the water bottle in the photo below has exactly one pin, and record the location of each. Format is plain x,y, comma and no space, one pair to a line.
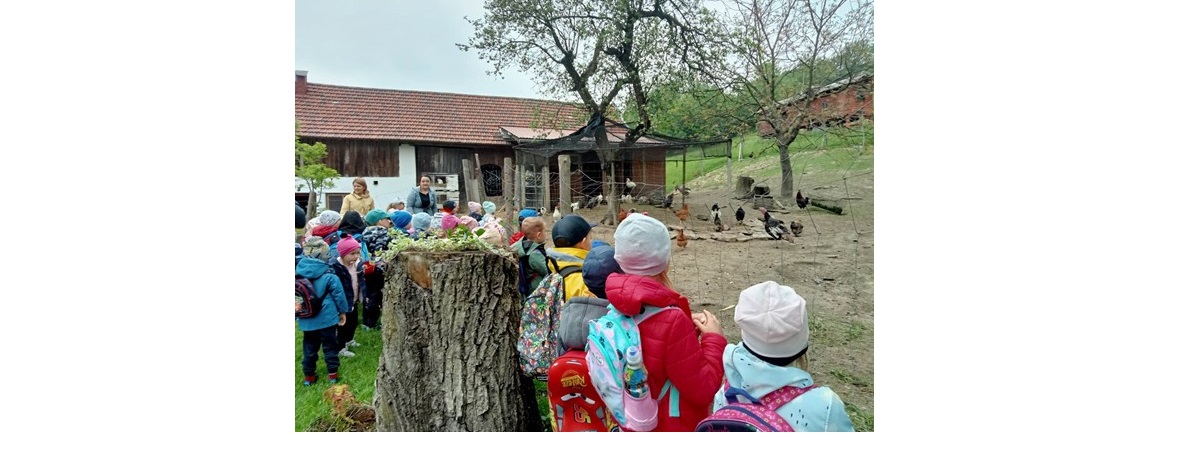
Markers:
641,410
635,374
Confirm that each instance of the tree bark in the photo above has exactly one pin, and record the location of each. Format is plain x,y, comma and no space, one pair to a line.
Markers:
785,188
448,359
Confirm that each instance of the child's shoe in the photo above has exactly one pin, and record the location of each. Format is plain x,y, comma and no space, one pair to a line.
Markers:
351,344
346,353
334,378
307,381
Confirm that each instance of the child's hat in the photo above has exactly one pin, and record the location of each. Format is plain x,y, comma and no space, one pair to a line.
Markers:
449,205
489,207
773,320
597,266
373,216
643,245
422,221
347,245
315,247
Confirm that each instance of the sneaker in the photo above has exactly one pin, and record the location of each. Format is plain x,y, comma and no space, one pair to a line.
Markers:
334,378
351,344
307,381
346,353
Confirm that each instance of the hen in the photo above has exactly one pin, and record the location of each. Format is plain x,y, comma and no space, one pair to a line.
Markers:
682,213
775,227
681,240
741,215
716,218
797,227
556,215
800,200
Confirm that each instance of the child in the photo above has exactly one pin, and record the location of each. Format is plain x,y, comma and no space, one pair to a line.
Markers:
321,330
532,255
421,222
677,356
474,210
348,268
401,221
774,353
395,206
376,238
522,215
490,208
571,235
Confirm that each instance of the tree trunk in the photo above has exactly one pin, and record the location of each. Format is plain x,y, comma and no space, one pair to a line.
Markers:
448,359
786,190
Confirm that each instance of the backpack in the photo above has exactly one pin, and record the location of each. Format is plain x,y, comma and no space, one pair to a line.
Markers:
754,416
306,304
573,401
608,339
526,274
538,337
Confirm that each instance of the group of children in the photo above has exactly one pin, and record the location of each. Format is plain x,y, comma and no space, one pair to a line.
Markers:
689,363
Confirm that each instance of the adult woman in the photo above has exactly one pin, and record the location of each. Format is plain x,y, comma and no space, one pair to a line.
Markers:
422,198
359,201
681,350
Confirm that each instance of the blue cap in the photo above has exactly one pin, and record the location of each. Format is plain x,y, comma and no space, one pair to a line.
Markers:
597,266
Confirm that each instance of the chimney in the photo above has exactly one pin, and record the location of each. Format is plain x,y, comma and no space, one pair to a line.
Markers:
300,82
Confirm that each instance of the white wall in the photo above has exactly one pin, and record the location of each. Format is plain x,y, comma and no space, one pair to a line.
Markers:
383,189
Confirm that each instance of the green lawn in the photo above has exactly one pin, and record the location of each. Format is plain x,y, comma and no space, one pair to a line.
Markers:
358,372
818,150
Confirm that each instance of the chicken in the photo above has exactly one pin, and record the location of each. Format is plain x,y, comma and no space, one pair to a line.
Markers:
556,215
741,215
797,227
681,240
626,198
716,218
682,213
668,200
575,206
630,184
592,202
775,227
621,215
800,200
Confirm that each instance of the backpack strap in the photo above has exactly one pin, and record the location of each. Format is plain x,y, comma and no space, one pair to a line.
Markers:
773,400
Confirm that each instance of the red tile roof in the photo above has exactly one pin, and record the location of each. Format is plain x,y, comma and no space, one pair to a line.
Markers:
328,111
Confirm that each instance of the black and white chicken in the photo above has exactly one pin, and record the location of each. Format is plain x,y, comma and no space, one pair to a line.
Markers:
716,218
775,227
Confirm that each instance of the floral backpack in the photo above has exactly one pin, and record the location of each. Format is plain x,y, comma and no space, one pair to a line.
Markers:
538,338
753,416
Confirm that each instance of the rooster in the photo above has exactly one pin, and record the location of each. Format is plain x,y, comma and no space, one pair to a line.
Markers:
800,200
775,227
682,213
681,240
716,218
740,215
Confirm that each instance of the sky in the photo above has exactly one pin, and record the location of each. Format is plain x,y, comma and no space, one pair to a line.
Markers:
397,45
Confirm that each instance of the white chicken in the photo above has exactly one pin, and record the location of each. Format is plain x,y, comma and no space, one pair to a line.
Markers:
575,206
556,215
630,184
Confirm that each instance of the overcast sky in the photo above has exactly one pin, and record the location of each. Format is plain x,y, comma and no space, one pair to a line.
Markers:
397,44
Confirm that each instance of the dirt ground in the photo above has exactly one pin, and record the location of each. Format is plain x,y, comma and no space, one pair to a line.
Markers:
831,265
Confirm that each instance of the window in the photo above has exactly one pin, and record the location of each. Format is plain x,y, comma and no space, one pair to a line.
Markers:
491,174
335,201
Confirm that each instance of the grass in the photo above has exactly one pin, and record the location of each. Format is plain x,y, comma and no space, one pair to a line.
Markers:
358,372
831,150
862,421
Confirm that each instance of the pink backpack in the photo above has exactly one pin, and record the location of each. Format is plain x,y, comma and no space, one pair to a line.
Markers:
754,416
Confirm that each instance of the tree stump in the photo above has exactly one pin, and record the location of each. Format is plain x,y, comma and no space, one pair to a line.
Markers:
744,187
448,359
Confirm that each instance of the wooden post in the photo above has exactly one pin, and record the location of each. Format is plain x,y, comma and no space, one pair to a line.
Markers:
683,196
507,187
565,182
519,182
478,180
466,186
546,198
729,166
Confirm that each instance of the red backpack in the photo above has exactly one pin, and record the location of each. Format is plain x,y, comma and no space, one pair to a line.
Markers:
575,404
753,416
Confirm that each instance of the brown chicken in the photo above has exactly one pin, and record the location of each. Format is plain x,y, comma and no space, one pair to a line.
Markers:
681,240
682,213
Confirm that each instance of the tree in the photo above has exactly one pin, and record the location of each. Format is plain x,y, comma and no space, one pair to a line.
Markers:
599,51
309,168
781,51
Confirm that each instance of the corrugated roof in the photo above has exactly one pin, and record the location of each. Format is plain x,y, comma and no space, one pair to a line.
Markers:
328,111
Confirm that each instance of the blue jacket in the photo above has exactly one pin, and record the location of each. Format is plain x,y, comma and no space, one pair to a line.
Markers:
414,202
818,410
334,302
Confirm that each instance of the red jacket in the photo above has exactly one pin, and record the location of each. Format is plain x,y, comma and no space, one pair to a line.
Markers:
672,350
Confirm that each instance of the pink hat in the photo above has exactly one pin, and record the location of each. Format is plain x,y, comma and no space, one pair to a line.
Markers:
346,246
474,207
470,222
773,320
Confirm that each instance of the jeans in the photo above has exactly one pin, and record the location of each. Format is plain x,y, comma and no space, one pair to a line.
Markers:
347,332
311,340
